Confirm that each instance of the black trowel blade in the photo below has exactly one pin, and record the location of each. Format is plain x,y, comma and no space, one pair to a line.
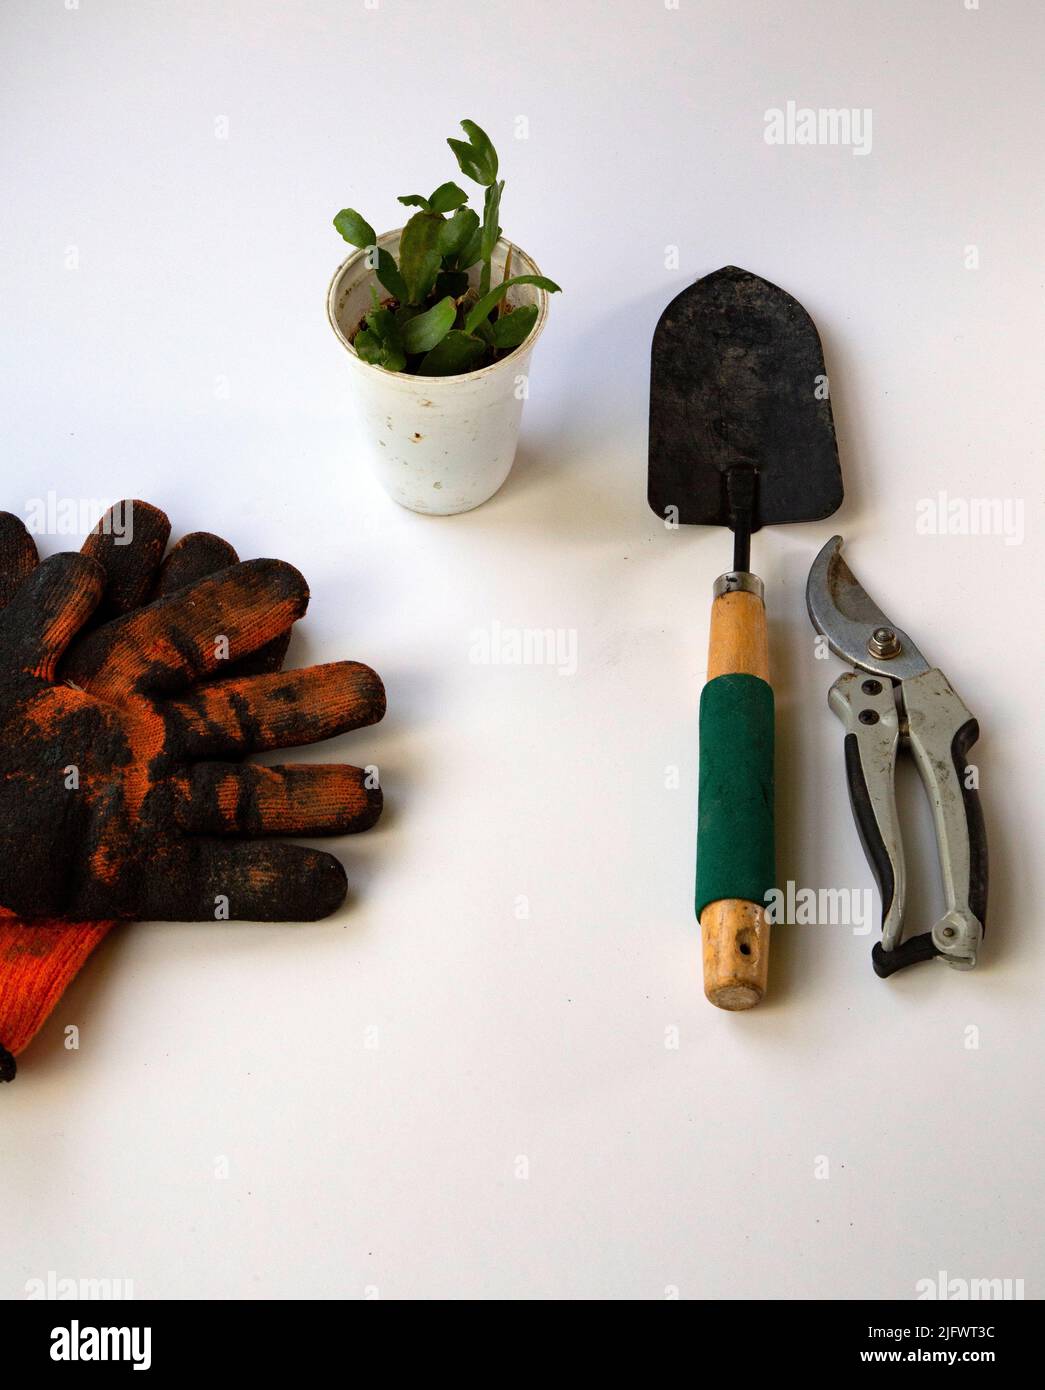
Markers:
738,380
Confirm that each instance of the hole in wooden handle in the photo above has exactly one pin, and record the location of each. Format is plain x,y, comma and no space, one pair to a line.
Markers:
735,937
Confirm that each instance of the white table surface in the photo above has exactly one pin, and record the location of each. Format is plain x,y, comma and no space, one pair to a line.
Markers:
427,1096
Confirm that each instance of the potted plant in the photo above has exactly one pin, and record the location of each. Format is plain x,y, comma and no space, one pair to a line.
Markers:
439,319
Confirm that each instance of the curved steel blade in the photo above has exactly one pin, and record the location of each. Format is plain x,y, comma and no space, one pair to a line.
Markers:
842,612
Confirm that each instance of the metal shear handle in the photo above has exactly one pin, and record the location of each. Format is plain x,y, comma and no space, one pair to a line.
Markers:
895,699
939,730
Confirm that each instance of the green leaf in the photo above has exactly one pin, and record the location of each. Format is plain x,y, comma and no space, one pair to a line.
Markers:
447,197
419,258
382,325
458,352
382,321
484,330
355,230
369,346
457,231
388,274
491,231
490,301
491,212
423,331
472,249
512,329
451,282
414,200
381,342
483,146
477,157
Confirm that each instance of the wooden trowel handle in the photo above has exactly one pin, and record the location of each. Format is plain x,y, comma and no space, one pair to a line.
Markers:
735,861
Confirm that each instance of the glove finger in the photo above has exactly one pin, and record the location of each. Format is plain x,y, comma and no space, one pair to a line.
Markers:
48,610
196,556
128,543
294,799
279,710
270,657
191,633
18,557
211,880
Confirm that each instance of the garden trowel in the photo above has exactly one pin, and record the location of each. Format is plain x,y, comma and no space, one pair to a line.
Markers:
741,435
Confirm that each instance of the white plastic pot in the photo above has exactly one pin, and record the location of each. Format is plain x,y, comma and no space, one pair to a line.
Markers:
440,444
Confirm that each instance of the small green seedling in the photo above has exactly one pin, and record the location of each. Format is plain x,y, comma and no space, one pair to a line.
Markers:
435,322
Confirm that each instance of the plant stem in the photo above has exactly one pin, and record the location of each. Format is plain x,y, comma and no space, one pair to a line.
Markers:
506,276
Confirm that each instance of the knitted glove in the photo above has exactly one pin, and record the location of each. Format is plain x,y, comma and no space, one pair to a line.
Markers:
110,803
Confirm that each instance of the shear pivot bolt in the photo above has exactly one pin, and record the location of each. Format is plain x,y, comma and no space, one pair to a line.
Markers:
883,643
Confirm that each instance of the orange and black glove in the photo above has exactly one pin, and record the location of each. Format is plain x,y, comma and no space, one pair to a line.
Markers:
111,802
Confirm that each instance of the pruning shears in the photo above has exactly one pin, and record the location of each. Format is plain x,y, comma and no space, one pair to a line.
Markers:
894,699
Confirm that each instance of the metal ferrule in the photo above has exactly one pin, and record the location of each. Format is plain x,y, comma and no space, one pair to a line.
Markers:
739,582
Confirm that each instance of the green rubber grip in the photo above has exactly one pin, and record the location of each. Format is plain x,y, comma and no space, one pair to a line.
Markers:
735,857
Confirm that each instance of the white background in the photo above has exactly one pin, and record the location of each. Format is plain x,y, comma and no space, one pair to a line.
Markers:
204,261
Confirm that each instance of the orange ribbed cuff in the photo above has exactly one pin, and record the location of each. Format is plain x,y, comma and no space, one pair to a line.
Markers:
37,961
